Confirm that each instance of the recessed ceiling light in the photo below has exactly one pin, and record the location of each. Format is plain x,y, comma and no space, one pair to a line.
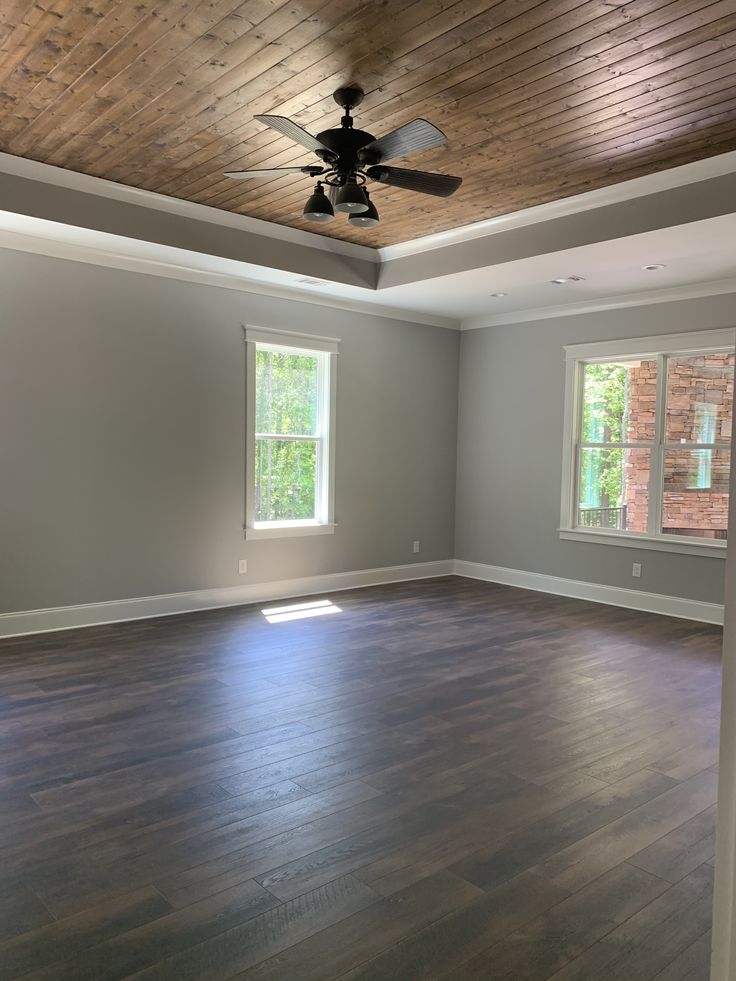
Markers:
654,266
311,282
498,294
559,280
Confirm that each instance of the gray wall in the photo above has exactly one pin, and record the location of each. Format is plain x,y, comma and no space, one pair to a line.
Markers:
512,382
122,432
122,437
55,202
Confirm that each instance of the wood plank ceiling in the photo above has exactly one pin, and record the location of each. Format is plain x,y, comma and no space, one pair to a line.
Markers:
539,100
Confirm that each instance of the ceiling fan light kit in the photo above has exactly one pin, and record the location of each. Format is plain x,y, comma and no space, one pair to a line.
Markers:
365,219
351,157
318,206
351,199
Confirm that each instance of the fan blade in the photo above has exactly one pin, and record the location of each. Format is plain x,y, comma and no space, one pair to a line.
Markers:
312,171
416,135
441,185
287,128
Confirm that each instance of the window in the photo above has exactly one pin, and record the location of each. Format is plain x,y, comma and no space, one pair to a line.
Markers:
647,445
290,445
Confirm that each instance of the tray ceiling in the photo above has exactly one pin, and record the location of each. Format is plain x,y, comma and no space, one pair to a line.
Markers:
539,100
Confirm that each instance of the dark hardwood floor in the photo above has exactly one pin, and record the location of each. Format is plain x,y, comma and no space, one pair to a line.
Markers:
443,780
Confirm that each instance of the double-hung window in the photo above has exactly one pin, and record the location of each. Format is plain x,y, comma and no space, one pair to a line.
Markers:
647,441
290,415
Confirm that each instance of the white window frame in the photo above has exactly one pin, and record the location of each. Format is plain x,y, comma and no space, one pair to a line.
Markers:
660,348
267,338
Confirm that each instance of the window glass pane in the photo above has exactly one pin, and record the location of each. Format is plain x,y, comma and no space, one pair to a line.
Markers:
613,489
700,399
286,477
286,393
619,402
696,493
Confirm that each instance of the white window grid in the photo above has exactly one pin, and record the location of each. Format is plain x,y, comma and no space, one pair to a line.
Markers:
677,346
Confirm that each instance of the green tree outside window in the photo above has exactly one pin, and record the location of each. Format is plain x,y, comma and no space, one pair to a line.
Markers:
604,421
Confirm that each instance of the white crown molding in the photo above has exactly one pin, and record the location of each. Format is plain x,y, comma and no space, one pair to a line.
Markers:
60,241
664,180
630,599
124,256
59,177
692,291
123,253
145,607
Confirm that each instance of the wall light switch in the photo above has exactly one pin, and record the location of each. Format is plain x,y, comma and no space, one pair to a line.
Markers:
242,566
636,570
416,547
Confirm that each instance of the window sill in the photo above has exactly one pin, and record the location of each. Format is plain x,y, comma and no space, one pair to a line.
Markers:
715,551
289,530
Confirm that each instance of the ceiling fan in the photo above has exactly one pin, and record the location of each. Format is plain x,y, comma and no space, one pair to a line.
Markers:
351,157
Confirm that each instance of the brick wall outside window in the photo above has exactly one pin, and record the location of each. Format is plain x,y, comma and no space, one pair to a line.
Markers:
697,388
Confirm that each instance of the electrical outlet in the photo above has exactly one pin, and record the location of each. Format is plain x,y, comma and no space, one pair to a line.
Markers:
416,547
636,570
242,566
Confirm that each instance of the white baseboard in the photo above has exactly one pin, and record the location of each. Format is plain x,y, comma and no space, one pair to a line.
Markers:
631,599
144,607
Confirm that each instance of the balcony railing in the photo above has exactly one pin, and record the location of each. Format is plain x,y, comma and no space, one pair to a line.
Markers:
603,518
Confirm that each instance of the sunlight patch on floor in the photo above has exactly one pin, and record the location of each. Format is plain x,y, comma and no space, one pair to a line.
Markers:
300,611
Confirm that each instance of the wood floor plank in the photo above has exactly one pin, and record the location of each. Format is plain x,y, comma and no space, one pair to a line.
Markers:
234,951
451,941
336,950
429,853
651,940
595,854
681,851
692,964
72,883
66,939
140,947
546,838
450,779
20,912
565,931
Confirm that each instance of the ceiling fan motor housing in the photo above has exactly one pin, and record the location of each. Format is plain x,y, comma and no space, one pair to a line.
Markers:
345,144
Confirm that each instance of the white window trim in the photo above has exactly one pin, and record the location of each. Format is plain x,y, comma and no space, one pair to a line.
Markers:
660,347
286,340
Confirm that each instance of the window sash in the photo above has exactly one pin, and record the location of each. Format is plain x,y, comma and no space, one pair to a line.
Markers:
657,448
286,437
574,520
617,446
319,483
319,438
324,350
318,357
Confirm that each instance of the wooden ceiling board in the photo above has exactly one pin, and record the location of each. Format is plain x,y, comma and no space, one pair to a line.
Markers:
551,77
450,123
539,100
326,74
